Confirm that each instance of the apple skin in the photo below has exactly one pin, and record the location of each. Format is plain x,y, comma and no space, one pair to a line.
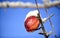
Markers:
31,23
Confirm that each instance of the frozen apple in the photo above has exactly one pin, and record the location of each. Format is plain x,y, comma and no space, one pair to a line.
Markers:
31,23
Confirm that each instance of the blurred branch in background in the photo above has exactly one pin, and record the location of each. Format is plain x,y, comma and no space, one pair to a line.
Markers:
47,1
28,4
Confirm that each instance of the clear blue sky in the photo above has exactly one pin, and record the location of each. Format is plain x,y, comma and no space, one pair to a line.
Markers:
12,22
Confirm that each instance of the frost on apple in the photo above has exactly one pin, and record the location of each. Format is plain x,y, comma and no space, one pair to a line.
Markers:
31,21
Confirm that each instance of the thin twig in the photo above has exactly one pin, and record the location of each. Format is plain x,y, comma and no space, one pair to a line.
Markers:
43,29
51,24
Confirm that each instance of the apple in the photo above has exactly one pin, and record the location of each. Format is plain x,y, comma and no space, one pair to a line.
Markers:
31,23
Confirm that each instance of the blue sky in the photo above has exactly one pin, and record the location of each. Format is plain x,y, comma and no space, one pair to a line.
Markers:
12,21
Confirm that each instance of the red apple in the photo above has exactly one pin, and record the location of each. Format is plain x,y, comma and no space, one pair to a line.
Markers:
32,23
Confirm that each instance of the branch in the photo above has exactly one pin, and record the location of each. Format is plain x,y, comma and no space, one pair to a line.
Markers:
51,24
28,4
